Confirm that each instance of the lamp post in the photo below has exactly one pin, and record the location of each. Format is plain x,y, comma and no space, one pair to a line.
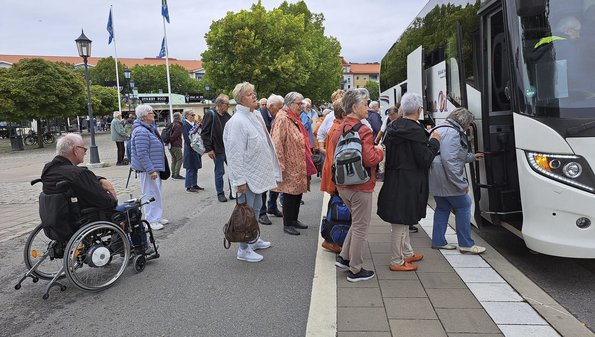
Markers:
83,44
127,75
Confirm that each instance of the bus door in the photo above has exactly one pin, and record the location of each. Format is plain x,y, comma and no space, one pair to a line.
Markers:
498,177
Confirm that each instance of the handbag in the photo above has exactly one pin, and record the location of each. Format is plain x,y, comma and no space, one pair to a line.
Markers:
242,225
164,175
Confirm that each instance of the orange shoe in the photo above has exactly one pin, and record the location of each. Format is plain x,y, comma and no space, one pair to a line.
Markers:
414,258
405,267
333,247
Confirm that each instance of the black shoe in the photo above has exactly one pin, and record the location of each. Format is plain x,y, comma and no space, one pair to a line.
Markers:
413,229
191,190
276,213
231,197
362,275
341,263
301,202
290,230
264,220
198,188
221,197
121,163
298,224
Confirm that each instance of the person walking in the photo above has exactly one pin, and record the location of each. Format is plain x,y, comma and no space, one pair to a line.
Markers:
213,124
252,162
403,198
192,161
449,185
293,148
119,136
175,147
358,198
148,159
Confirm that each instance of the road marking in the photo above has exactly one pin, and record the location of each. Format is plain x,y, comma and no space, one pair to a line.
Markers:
322,317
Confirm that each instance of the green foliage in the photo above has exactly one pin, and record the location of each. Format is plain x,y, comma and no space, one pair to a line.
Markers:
278,51
43,90
104,100
152,78
104,73
434,32
7,106
374,89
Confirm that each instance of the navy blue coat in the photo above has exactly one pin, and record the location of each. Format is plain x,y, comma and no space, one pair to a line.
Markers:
191,158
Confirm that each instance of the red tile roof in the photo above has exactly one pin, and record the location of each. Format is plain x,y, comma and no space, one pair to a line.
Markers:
189,65
365,68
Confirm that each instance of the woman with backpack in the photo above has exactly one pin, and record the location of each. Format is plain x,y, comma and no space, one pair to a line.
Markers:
357,197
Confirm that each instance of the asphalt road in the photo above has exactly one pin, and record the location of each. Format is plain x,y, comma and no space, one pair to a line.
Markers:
196,288
571,282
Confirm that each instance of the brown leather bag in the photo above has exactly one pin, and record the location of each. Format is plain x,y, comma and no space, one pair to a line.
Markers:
242,225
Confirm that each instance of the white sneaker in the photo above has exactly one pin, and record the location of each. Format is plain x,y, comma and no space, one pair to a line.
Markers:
248,255
156,226
164,221
260,244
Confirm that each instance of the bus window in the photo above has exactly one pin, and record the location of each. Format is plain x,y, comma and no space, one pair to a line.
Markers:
500,75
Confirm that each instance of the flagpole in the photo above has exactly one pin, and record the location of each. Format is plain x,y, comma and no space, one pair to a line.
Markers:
171,111
116,60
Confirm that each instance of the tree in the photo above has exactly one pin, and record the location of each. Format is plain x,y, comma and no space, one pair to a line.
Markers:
104,73
374,89
104,100
7,106
43,90
278,51
152,78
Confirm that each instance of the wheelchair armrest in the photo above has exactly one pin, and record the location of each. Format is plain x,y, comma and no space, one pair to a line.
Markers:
35,181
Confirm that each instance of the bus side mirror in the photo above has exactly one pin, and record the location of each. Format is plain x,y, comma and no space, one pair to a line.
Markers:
530,7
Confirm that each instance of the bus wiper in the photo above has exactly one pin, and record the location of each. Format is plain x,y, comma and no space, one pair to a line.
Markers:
574,130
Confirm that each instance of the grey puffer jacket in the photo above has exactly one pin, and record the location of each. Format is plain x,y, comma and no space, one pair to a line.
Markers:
447,172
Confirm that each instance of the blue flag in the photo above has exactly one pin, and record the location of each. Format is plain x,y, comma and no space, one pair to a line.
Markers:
162,51
164,10
110,27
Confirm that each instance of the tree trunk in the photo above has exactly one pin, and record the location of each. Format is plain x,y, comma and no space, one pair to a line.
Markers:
40,133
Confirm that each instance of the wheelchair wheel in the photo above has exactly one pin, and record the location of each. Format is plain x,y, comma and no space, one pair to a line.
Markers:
96,256
37,245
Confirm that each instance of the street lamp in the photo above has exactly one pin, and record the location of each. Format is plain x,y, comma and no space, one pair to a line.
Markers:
83,44
128,97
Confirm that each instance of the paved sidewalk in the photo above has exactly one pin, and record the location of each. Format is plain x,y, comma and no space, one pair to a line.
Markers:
451,294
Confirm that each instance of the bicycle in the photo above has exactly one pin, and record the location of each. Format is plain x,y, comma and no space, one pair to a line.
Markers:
31,138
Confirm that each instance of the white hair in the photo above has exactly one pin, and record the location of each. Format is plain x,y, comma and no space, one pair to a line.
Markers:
142,111
274,99
117,114
410,103
292,97
240,90
373,105
67,143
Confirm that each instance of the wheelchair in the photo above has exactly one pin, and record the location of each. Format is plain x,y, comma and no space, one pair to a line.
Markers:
93,257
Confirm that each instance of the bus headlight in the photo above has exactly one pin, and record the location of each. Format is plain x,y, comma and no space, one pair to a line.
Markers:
569,169
573,170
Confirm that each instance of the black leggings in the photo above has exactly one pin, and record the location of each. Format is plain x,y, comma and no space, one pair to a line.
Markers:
291,208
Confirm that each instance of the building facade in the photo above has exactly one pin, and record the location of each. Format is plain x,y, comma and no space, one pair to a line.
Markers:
356,75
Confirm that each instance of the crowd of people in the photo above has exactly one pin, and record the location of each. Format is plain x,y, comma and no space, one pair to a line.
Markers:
268,146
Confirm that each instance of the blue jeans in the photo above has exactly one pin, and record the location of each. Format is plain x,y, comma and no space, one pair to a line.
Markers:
253,200
191,178
271,205
220,160
462,207
128,150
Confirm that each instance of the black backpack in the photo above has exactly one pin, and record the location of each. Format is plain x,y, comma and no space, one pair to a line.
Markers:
166,133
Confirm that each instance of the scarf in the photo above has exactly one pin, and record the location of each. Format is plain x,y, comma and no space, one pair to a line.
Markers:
310,167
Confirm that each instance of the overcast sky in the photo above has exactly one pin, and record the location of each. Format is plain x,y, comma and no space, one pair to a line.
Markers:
365,28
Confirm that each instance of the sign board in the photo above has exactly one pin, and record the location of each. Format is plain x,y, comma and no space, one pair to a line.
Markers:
154,99
195,98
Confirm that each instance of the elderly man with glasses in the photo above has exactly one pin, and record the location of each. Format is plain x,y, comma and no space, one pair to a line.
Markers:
213,124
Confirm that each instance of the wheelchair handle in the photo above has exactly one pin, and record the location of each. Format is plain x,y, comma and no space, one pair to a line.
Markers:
35,181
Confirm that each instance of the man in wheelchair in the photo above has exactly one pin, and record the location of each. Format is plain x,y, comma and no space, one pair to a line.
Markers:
73,196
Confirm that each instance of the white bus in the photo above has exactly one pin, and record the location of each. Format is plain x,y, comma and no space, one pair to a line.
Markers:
526,70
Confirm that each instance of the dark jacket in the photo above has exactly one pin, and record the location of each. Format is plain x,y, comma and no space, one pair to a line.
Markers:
83,182
409,153
192,160
175,139
268,119
375,121
212,136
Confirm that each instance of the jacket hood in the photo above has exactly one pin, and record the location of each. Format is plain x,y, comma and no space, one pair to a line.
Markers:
404,129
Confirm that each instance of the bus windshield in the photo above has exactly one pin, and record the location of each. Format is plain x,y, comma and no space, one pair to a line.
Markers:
554,56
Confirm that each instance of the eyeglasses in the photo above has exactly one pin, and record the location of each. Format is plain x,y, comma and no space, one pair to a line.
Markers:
298,103
82,147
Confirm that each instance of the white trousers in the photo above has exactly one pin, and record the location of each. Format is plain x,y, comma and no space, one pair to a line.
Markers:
151,188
